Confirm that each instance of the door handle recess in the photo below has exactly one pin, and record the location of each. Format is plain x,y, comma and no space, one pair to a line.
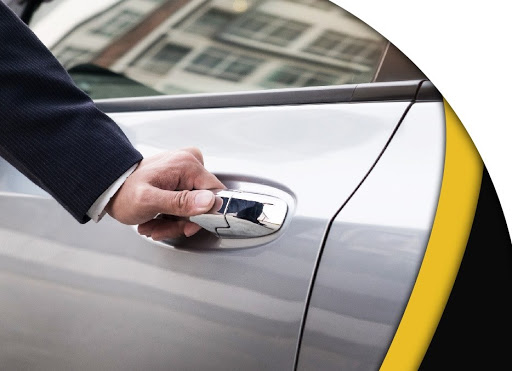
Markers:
240,214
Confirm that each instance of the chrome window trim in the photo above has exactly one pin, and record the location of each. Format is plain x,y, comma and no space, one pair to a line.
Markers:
413,90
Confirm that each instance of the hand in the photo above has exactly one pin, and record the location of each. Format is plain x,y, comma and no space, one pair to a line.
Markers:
174,183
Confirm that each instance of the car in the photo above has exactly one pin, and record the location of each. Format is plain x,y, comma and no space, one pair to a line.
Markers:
300,109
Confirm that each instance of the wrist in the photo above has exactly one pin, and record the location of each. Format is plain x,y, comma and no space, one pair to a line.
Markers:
102,204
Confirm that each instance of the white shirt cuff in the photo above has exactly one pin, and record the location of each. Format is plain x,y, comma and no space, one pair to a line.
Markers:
97,210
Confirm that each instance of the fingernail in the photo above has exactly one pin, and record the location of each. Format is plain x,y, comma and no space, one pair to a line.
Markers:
191,229
203,199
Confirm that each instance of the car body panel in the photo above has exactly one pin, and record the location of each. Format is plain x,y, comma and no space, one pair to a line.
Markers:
100,296
374,250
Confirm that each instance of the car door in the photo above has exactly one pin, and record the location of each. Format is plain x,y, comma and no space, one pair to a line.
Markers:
100,296
372,255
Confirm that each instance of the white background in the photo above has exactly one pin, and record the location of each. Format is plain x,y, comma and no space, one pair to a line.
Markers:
464,48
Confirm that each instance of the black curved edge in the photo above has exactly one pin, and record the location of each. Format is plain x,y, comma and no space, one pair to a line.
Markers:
396,66
428,93
474,330
387,91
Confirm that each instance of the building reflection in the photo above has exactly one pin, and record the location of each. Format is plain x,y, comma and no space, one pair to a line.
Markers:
191,46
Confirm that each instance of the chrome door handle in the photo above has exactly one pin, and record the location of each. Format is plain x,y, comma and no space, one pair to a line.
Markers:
241,214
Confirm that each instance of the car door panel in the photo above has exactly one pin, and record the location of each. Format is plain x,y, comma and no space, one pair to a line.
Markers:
101,296
375,248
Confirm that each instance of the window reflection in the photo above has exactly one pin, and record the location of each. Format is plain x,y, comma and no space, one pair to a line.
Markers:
223,64
341,46
192,46
267,28
161,57
211,22
288,76
119,23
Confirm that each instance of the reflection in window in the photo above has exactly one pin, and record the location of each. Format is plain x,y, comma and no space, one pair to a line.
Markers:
298,76
268,28
320,4
119,24
71,56
340,46
164,59
210,22
163,43
223,64
173,89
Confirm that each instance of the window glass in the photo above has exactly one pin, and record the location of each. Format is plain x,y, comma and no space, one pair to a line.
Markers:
288,76
118,24
223,64
160,58
70,55
335,45
211,22
200,46
268,28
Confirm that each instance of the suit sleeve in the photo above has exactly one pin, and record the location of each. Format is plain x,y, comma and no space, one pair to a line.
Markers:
50,130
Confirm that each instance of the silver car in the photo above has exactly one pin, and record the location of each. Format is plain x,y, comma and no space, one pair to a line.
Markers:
329,133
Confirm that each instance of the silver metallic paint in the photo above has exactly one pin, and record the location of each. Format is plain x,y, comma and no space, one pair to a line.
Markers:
374,250
102,297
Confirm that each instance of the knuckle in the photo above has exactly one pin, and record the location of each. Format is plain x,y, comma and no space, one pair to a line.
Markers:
187,156
196,152
193,150
182,200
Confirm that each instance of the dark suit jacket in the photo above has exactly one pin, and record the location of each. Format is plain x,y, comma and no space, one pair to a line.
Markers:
50,130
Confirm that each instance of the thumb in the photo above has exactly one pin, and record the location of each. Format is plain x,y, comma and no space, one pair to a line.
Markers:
185,203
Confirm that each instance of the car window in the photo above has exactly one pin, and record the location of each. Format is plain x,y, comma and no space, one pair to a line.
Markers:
150,47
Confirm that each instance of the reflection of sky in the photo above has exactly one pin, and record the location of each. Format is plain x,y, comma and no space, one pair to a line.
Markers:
320,154
403,189
64,16
300,135
317,151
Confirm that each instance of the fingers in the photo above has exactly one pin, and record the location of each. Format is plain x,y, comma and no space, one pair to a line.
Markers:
161,229
208,181
196,153
191,228
181,203
174,183
183,169
203,179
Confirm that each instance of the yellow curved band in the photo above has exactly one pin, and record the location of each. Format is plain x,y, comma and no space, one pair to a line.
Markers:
460,188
